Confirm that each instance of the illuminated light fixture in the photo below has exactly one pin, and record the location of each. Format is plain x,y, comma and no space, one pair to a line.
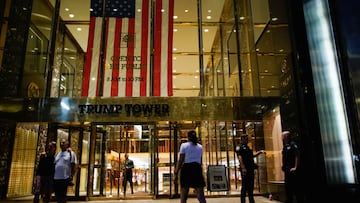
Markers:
208,17
115,9
93,78
242,18
71,15
186,10
79,29
174,49
329,93
274,19
162,10
257,49
206,30
209,11
175,17
193,86
67,9
175,30
174,58
196,77
138,10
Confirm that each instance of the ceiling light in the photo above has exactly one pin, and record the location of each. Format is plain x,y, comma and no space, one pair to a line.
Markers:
242,18
71,15
78,29
274,19
208,17
139,10
193,86
175,29
174,49
162,10
174,71
209,11
196,77
175,17
67,9
174,58
206,30
186,10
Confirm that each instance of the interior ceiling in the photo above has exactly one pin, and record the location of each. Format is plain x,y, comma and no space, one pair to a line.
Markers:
186,80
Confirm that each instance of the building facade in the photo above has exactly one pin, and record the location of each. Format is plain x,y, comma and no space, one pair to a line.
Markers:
251,66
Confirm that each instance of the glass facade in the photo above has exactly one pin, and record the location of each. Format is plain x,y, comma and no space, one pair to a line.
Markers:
235,67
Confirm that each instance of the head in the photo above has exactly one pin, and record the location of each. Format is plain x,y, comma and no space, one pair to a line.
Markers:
192,137
126,156
244,139
51,148
64,144
286,137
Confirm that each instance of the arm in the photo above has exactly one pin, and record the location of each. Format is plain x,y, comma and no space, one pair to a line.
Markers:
178,166
297,160
259,152
242,165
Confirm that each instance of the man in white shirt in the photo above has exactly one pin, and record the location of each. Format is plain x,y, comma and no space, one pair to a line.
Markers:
65,162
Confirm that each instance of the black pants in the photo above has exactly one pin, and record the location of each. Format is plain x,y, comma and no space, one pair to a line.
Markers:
125,180
291,188
247,186
60,188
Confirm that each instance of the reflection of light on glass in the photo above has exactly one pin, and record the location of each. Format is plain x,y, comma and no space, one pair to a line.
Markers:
334,127
64,106
138,130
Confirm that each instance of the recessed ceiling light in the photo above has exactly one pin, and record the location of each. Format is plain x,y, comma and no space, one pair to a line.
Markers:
67,9
174,49
186,10
139,10
78,29
209,11
71,15
206,30
175,17
242,18
274,19
175,29
208,17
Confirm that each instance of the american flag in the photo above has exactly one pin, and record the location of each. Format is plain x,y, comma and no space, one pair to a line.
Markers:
121,65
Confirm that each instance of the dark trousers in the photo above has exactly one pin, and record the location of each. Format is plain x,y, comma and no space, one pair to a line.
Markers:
125,180
291,188
247,186
60,188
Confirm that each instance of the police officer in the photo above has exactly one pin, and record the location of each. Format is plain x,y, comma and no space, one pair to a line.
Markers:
290,161
247,166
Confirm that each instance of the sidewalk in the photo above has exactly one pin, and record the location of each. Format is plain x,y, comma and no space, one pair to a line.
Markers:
258,199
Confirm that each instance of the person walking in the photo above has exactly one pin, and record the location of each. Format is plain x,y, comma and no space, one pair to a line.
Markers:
247,166
290,166
127,173
65,163
190,159
45,174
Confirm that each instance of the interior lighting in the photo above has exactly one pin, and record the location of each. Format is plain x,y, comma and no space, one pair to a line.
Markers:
71,15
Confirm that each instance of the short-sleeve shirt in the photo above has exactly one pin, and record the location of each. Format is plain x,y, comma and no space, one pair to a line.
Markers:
247,155
192,152
62,163
289,152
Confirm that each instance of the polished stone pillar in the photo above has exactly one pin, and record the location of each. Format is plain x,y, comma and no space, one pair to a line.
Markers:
15,47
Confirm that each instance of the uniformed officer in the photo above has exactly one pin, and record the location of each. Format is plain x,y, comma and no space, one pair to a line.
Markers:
290,161
247,166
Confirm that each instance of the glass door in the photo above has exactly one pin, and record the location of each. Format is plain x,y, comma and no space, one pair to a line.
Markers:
133,140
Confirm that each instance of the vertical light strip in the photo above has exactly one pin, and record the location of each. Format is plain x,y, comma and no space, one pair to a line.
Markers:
334,126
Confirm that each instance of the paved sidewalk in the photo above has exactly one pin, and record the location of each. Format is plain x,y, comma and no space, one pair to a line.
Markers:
258,199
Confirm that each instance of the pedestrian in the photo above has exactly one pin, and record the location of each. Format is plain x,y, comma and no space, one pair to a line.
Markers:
65,164
191,173
290,166
247,166
128,165
45,174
